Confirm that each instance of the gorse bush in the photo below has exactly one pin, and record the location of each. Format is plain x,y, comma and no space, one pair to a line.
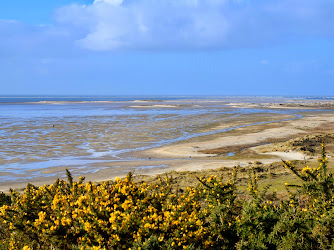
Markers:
304,221
116,214
122,214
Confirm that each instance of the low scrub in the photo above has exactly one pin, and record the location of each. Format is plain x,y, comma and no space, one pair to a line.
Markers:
124,214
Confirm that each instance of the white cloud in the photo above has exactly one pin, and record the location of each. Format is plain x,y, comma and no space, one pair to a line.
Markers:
112,2
176,24
147,24
195,24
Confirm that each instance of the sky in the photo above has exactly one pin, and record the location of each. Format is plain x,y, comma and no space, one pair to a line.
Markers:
167,47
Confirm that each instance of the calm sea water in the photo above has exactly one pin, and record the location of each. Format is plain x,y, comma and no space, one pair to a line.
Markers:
41,99
31,98
26,123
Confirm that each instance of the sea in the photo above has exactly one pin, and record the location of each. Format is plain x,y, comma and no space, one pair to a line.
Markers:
39,133
89,98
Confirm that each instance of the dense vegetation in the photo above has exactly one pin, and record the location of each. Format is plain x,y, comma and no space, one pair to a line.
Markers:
124,214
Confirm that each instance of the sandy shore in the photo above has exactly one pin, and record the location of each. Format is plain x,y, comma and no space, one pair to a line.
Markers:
187,155
290,129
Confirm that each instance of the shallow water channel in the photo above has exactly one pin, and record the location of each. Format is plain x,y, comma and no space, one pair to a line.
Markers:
35,137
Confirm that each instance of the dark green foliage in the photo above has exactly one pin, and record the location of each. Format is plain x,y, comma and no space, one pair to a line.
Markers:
4,199
224,218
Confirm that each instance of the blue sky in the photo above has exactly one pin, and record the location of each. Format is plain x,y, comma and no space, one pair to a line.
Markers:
167,47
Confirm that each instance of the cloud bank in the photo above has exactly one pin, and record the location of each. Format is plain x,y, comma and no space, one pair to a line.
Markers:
195,24
109,25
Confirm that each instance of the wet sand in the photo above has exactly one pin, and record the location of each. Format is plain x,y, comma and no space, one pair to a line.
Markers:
91,146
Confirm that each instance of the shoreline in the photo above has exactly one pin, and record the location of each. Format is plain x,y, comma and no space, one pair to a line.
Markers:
186,156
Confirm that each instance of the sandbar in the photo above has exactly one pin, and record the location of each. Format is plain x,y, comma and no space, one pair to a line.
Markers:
252,134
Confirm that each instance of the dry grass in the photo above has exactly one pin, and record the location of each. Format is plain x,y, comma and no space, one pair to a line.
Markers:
273,175
309,144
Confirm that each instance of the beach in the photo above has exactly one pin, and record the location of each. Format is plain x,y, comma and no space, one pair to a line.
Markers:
102,140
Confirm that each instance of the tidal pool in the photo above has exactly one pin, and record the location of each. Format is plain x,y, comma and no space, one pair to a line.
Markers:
39,136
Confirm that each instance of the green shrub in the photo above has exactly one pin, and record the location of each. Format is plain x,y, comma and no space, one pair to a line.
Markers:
214,215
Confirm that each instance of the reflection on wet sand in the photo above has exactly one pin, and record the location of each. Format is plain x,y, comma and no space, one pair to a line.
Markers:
111,139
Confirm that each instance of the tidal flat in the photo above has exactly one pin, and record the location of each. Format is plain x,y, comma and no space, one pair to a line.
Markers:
102,140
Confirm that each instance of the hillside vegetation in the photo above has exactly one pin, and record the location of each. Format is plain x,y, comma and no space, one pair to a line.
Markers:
216,213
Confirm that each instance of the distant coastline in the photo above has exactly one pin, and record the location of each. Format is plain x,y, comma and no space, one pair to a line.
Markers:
103,138
152,98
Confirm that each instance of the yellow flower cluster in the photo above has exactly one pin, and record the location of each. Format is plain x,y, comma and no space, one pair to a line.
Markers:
109,215
124,214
